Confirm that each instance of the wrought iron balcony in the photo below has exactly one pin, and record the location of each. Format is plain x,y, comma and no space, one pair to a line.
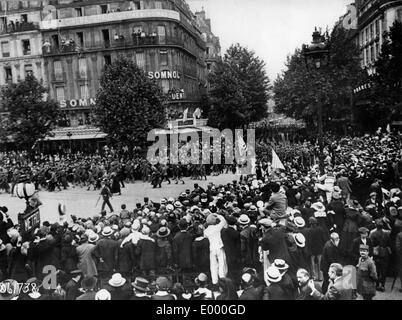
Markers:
20,27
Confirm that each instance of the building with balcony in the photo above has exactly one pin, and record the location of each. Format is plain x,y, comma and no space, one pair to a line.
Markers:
20,41
81,37
374,18
213,46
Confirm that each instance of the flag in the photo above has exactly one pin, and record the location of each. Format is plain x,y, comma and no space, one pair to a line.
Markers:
276,162
241,145
197,113
185,114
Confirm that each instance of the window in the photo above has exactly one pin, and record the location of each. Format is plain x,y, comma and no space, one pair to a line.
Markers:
163,57
60,93
104,8
208,51
106,38
24,18
371,31
84,91
137,5
58,70
28,70
140,59
372,54
161,34
82,67
377,49
26,47
158,5
78,12
208,66
80,38
9,74
5,49
165,86
108,59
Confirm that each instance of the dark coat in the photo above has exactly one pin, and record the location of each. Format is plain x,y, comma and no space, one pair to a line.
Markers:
249,246
18,271
146,249
274,240
182,250
107,249
125,257
69,258
121,293
288,287
164,254
274,292
330,254
42,255
315,240
231,243
338,218
252,293
72,290
200,250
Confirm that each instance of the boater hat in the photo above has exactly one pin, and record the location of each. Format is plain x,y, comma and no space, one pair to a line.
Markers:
273,274
280,264
141,284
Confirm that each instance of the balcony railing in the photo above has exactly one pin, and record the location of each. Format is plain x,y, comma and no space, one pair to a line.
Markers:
122,42
20,27
109,17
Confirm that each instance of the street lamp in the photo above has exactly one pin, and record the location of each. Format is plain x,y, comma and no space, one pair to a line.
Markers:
316,55
30,218
69,134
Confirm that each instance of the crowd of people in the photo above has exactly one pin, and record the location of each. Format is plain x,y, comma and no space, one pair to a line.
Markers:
286,234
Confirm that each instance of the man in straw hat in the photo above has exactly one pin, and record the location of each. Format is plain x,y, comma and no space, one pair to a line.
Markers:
141,289
274,290
105,253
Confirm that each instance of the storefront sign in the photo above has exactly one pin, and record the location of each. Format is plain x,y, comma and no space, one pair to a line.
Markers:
76,103
167,74
176,94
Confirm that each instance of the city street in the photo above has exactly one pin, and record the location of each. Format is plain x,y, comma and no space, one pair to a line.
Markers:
81,202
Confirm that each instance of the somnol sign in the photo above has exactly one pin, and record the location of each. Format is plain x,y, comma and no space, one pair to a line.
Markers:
167,74
74,103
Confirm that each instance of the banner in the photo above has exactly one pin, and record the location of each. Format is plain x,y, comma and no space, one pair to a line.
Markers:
276,162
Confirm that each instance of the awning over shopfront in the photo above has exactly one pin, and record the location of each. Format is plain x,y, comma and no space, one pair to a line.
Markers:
77,133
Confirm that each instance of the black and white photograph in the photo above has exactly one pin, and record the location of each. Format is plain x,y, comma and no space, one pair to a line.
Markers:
213,151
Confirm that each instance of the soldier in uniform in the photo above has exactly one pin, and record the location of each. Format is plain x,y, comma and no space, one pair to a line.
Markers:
106,195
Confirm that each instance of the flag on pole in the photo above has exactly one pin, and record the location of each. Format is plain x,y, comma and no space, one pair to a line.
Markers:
185,114
276,162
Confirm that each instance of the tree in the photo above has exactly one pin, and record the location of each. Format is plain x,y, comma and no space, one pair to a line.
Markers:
299,89
239,89
29,117
387,80
128,104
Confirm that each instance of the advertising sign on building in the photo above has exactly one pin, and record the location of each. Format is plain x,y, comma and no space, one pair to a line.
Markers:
166,74
77,103
176,94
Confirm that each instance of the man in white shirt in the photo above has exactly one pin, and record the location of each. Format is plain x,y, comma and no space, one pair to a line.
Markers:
217,254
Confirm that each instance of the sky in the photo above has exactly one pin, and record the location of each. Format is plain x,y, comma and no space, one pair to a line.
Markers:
273,29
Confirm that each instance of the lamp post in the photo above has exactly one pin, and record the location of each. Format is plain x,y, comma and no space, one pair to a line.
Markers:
316,57
30,218
69,134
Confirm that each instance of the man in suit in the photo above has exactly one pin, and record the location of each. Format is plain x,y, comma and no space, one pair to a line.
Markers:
336,211
345,185
88,284
330,254
250,292
231,244
274,241
73,286
182,247
105,253
337,290
304,290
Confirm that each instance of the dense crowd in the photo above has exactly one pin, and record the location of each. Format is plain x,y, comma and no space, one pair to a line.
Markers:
297,233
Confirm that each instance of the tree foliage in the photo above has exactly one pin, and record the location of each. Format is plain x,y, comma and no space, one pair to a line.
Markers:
239,89
128,104
387,80
299,89
28,116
